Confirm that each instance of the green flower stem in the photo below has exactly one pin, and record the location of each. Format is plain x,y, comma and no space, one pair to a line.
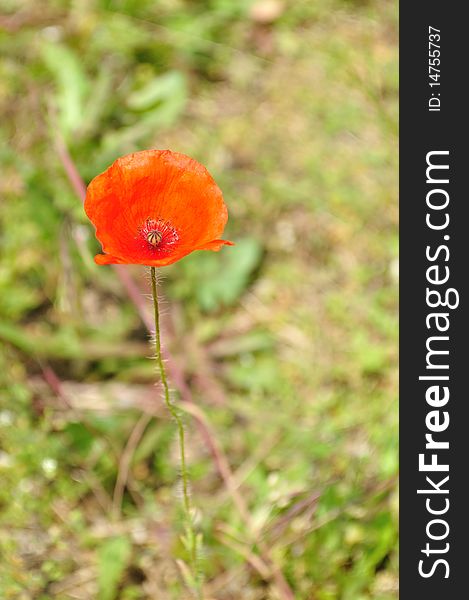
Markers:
192,539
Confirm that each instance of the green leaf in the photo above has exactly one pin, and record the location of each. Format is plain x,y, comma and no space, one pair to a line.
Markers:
261,374
233,275
81,438
220,279
159,104
114,556
162,100
168,87
72,84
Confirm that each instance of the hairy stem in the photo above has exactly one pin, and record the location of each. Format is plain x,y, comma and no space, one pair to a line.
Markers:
191,535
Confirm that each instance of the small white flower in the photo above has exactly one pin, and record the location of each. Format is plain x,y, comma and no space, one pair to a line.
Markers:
49,466
5,460
6,418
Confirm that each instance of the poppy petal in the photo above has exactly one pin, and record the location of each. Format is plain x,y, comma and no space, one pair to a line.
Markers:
107,259
215,245
157,193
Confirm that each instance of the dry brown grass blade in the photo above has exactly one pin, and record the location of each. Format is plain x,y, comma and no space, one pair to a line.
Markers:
252,559
72,172
125,461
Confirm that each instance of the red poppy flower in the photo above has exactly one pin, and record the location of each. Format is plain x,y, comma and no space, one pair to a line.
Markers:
154,207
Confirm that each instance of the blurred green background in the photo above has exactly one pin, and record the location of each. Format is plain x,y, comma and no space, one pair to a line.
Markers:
286,343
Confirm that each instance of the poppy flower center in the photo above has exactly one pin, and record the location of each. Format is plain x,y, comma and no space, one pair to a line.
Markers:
154,237
158,234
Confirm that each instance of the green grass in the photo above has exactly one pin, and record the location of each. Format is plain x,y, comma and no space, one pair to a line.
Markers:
287,341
